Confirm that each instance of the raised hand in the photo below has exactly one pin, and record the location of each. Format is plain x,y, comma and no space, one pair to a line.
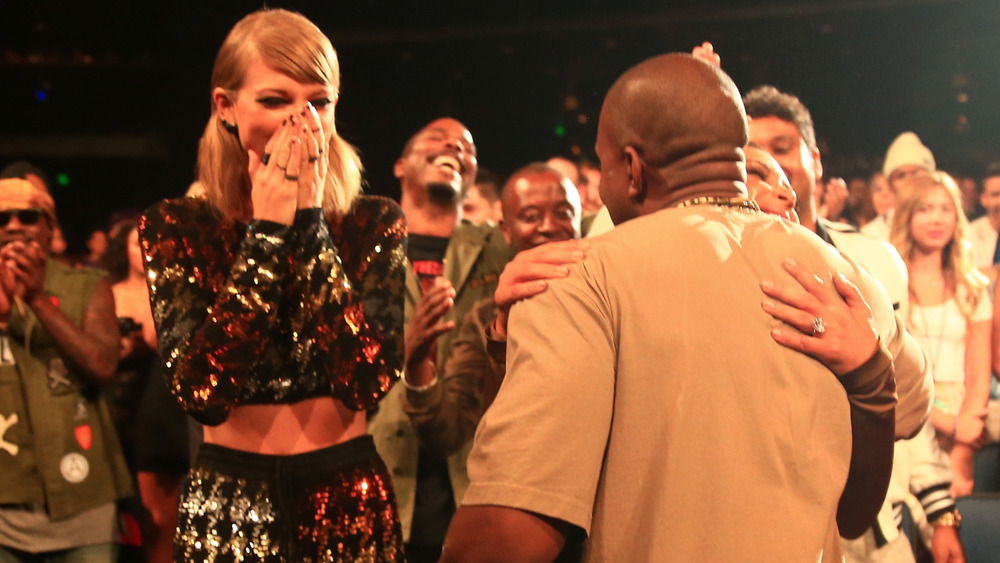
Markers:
25,262
527,273
426,326
274,192
315,161
706,52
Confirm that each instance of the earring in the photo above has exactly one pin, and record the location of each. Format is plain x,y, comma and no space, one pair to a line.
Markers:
234,130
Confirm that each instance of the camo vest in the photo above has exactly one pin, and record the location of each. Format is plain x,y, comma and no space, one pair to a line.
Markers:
57,444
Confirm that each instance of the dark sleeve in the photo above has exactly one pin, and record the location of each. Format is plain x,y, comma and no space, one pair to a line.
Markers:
210,338
351,325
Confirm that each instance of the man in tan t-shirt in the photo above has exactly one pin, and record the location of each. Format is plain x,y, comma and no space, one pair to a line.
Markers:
647,403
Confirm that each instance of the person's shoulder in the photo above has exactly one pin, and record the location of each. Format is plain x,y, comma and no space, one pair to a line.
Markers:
377,213
377,206
982,224
474,232
487,236
838,226
178,209
58,268
854,241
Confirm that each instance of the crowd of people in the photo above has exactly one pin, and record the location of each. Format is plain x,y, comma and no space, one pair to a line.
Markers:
703,349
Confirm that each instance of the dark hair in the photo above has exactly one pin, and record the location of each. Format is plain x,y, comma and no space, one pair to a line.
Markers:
992,169
115,260
21,169
768,101
489,185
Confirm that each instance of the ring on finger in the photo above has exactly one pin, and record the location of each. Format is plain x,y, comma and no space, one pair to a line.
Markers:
291,178
313,158
266,158
818,326
316,130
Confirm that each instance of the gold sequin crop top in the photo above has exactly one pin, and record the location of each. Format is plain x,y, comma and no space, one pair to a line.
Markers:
268,313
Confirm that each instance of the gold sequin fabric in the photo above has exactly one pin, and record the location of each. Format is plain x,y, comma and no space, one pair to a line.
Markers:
334,504
268,313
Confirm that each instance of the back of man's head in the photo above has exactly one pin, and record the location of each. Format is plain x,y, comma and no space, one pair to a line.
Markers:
768,101
675,105
671,127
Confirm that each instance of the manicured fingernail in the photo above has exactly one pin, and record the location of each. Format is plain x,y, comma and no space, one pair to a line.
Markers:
563,270
767,305
767,284
790,262
819,280
776,332
577,255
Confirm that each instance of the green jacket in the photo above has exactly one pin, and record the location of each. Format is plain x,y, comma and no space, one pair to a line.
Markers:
59,446
474,259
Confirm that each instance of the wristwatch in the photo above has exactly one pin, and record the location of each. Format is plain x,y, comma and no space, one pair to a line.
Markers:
951,518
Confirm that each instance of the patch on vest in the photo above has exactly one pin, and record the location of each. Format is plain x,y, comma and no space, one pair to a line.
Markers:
81,409
74,467
58,373
84,436
5,423
6,357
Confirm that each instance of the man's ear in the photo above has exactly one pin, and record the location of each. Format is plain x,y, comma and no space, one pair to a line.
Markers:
506,231
223,104
637,183
817,165
397,169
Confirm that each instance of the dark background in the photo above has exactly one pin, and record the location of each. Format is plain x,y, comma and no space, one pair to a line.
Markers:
110,99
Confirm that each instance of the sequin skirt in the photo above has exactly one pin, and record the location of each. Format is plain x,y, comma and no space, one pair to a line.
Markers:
334,504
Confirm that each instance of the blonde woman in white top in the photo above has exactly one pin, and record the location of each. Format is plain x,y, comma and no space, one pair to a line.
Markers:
950,313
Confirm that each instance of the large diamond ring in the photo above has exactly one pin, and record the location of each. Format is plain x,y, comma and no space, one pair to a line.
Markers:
819,327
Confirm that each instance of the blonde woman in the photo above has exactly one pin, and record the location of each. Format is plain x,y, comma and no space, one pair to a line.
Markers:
950,313
278,305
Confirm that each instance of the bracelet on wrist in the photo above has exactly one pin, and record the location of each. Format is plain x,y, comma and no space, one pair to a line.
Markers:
951,518
420,388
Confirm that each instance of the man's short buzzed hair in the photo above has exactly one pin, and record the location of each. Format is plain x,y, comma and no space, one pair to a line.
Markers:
532,168
768,101
992,169
21,169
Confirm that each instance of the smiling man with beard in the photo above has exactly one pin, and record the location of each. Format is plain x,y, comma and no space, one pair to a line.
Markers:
450,266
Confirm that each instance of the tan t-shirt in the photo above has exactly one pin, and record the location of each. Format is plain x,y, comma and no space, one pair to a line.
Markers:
646,402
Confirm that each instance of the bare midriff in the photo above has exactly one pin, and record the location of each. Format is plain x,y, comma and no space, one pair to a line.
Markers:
288,429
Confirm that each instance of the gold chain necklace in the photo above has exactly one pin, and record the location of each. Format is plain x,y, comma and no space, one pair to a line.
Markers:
742,203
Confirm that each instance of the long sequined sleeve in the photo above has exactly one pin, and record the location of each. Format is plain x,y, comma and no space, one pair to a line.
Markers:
348,319
212,316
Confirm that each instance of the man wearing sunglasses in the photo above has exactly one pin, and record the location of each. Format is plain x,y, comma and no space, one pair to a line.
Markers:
60,462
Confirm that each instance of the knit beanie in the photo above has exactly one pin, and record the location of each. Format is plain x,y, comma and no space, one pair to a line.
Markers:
907,149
